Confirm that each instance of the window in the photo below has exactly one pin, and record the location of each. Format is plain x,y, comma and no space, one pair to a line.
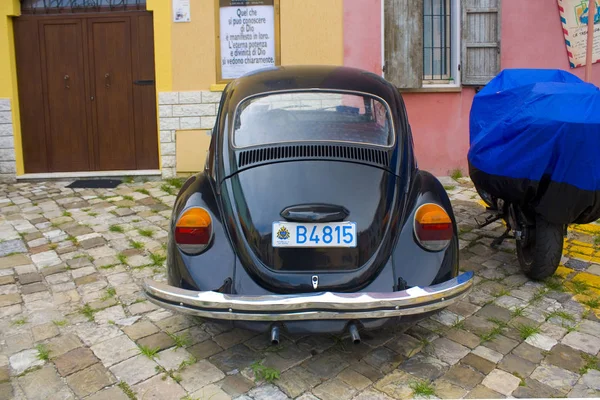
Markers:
62,6
312,116
440,42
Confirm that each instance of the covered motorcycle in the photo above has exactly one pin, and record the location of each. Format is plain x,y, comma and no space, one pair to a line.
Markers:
534,143
535,139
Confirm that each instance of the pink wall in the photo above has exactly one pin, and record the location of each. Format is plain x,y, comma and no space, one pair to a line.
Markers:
536,42
362,34
440,121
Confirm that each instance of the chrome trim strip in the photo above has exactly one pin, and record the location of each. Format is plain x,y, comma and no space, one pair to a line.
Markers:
309,306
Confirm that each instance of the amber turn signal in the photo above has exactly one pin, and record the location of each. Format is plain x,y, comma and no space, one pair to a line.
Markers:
193,230
433,227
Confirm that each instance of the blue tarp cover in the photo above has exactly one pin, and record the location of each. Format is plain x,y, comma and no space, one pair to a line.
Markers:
530,124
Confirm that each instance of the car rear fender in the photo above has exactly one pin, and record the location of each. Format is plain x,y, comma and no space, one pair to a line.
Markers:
214,268
413,265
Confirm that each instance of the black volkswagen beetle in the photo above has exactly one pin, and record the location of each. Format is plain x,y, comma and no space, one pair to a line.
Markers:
311,214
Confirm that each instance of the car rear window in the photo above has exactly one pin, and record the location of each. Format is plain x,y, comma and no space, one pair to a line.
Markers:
312,116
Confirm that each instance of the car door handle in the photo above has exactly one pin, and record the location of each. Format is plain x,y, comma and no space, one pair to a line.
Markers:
315,213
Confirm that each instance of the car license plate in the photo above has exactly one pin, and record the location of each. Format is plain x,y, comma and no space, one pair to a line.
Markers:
329,234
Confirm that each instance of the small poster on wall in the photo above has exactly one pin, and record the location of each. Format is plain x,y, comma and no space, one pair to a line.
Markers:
247,32
574,19
181,10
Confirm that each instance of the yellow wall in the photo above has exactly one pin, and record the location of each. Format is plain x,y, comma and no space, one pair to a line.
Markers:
8,71
191,147
161,15
194,59
311,33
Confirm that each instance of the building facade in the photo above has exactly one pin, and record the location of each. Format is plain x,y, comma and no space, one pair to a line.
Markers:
131,87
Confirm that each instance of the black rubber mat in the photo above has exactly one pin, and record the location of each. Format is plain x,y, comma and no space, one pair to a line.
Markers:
95,184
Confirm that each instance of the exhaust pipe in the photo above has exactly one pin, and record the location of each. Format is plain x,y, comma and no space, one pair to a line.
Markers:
275,335
354,333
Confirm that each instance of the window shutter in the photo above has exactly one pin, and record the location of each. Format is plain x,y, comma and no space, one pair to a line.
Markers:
480,41
403,30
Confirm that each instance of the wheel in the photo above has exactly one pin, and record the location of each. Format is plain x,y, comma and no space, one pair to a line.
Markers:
540,253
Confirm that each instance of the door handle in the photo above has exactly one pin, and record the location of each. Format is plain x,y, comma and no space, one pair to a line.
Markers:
107,80
147,82
66,79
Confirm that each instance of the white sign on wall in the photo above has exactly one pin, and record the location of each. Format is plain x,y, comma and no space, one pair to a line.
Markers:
247,33
574,17
181,10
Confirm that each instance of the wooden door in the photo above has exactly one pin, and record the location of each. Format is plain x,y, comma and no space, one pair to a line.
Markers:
87,92
112,85
63,74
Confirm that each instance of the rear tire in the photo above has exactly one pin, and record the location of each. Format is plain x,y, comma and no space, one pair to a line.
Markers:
540,255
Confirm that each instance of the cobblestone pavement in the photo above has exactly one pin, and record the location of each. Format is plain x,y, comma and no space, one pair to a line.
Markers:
74,323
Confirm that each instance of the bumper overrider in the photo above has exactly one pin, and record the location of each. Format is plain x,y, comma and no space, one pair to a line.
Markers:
310,306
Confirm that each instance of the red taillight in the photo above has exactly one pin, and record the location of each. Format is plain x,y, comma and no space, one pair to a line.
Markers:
193,230
433,227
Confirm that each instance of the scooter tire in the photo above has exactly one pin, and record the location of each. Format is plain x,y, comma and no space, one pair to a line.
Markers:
540,257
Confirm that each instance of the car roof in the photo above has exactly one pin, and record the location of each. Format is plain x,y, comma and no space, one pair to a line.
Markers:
310,77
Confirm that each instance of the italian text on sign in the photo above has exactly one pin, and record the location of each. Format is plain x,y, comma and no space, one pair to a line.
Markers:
247,30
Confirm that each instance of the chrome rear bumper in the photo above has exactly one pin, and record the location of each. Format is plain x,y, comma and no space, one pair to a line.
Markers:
309,306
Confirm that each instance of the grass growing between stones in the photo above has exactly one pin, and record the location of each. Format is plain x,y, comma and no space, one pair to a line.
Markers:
560,314
456,174
88,311
59,323
500,293
167,189
592,303
146,232
517,312
180,340
176,182
263,372
554,283
422,388
526,331
449,187
157,259
538,295
491,335
122,258
43,352
92,214
458,324
66,214
127,390
168,373
149,352
115,228
186,363
19,322
591,362
110,293
136,245
143,191
522,383
129,198
579,287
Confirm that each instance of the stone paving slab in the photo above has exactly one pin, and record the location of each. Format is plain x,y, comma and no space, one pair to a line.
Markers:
75,325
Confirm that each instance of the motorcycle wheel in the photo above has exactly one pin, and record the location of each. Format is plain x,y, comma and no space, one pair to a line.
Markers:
540,254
